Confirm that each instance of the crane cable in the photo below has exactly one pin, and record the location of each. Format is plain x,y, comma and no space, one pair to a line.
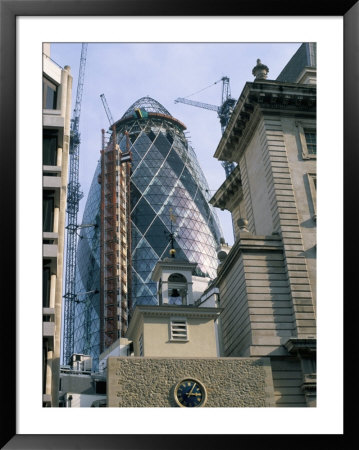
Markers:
197,92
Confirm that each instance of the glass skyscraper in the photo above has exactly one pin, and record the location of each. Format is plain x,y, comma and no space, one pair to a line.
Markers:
168,193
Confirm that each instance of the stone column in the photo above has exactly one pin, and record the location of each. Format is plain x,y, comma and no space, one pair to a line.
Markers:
190,293
66,83
49,372
165,292
59,156
52,290
56,220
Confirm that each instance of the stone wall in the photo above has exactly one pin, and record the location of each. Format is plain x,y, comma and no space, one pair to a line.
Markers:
150,382
257,317
287,381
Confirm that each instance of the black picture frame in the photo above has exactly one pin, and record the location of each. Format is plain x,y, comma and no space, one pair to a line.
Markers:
9,10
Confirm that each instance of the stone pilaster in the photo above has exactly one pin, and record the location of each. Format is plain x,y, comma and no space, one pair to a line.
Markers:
286,222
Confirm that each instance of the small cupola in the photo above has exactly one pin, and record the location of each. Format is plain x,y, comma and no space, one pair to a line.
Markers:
174,279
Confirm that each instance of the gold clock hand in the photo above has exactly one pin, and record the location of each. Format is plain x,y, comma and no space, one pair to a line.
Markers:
190,392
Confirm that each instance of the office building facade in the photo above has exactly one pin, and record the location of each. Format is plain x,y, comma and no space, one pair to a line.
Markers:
57,89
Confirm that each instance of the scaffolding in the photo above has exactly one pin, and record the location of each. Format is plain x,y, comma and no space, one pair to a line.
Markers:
127,160
115,241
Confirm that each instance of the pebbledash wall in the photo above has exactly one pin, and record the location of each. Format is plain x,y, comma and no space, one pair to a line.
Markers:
150,382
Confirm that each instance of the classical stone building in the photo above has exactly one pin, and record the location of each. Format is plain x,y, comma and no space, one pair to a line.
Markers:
176,358
57,88
267,281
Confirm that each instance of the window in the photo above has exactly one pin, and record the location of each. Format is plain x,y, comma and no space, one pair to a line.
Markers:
178,330
46,280
49,148
48,211
100,387
308,140
177,289
311,141
44,366
160,292
49,100
130,349
174,297
312,181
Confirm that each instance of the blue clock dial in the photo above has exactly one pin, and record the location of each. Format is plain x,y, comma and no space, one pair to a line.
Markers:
190,393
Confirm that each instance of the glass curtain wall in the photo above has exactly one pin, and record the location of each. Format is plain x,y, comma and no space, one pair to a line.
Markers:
168,192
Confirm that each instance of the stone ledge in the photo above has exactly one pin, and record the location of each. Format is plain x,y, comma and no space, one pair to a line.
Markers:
46,398
248,243
256,99
49,251
48,311
303,346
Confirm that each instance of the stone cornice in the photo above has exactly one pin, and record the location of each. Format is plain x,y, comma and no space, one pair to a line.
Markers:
248,242
171,264
302,346
172,310
307,72
309,384
231,186
257,98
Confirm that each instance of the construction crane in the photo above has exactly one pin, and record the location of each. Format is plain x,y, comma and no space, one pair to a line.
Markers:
74,196
107,109
224,111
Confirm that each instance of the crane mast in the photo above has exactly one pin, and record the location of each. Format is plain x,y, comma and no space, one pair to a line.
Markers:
74,196
224,112
226,89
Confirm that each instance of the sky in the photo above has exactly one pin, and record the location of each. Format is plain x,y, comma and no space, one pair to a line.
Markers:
125,72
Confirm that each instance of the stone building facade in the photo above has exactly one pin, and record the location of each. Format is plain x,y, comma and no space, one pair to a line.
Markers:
267,281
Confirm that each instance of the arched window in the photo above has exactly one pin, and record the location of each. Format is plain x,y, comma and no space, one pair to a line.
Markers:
177,289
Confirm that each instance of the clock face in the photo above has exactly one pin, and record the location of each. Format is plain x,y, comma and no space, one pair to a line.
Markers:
190,393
